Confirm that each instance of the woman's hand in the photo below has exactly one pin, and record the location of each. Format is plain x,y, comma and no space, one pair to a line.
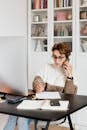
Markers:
39,88
67,69
38,84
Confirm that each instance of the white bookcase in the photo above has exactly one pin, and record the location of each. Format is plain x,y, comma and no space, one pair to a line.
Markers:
39,26
53,30
57,29
81,24
63,23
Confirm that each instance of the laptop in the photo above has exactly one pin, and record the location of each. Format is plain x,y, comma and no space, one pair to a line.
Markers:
14,90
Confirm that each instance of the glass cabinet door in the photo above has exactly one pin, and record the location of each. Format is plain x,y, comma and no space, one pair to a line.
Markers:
83,25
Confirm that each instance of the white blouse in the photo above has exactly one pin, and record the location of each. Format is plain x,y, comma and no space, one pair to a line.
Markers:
52,75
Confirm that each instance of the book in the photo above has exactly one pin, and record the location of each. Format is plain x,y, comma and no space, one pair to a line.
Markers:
38,4
34,4
43,105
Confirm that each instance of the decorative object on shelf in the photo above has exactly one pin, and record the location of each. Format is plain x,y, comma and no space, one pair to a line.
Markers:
61,15
38,46
45,45
44,18
84,45
55,30
83,14
39,31
36,18
62,30
69,15
84,2
66,32
84,30
69,28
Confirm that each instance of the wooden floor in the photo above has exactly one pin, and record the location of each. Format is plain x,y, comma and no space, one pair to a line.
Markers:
52,127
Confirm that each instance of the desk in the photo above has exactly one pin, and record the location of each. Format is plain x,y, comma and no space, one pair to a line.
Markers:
77,102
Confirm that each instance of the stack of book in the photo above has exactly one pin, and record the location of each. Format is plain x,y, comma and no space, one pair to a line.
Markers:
62,3
39,4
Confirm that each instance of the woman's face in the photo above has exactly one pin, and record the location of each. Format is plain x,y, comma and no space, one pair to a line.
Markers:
58,58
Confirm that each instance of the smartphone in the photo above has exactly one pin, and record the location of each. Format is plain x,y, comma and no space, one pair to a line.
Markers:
64,64
54,102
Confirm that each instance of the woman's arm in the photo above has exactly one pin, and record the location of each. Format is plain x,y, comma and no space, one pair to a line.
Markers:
53,88
69,87
39,85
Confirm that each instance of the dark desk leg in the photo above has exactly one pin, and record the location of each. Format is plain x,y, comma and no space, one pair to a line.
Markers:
46,128
47,125
35,123
70,122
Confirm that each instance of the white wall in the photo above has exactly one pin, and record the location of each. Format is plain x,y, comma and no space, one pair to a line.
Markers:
13,18
13,61
81,115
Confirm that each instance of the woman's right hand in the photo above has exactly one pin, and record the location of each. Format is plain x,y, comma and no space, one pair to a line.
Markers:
38,84
38,88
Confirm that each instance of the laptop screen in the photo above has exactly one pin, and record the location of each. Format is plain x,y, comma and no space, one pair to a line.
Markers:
15,90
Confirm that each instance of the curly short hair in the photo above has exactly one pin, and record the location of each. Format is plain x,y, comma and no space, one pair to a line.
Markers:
63,48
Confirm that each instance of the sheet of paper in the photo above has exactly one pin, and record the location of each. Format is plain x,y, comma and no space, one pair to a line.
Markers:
62,107
48,95
30,104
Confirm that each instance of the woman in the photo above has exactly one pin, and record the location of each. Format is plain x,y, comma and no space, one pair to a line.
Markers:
56,76
53,77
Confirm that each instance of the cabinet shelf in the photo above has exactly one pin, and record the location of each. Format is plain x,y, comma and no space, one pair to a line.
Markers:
83,37
62,37
83,6
63,21
42,22
63,8
83,20
39,10
38,38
